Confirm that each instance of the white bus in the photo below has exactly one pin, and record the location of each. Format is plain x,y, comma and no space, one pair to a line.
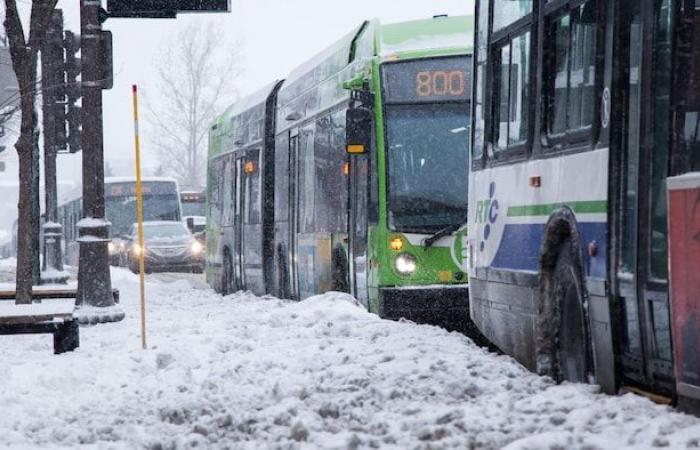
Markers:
582,109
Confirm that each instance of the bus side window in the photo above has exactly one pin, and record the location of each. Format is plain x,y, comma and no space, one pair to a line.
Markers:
282,177
331,185
252,189
511,119
569,78
306,179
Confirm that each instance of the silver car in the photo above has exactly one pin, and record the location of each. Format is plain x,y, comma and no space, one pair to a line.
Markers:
168,247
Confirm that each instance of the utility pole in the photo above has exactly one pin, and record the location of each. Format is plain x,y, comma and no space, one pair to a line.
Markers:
54,115
94,281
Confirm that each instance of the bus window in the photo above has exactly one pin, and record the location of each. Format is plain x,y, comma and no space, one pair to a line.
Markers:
252,189
282,149
512,82
331,184
306,179
570,70
506,12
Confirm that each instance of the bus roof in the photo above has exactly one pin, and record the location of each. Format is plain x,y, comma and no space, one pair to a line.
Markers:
427,36
249,101
316,84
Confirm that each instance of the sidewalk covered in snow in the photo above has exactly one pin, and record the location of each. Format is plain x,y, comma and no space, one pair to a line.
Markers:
248,372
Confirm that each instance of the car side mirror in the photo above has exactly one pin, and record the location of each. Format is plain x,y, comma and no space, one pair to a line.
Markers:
358,130
190,224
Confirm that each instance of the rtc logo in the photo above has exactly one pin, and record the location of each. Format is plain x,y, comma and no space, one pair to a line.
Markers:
487,214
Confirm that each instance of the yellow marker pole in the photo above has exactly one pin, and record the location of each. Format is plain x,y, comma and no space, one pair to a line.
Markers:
139,216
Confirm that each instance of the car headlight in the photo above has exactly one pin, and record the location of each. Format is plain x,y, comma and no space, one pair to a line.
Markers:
405,263
196,248
112,248
137,249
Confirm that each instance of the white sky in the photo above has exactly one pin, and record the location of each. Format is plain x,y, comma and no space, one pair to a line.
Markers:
277,36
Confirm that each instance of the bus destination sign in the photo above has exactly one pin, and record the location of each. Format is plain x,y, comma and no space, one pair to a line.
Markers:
428,80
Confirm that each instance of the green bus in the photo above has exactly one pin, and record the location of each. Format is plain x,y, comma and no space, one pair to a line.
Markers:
350,175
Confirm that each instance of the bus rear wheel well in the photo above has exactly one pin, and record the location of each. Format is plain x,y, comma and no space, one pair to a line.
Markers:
562,318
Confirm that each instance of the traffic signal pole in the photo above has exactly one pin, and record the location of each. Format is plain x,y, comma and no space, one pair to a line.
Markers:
94,281
53,93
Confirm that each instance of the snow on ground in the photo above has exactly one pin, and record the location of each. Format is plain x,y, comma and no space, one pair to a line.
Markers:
247,372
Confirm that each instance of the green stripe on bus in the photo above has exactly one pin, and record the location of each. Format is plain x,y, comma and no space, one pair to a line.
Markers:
588,207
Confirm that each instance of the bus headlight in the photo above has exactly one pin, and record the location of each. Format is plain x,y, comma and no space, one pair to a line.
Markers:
196,248
405,263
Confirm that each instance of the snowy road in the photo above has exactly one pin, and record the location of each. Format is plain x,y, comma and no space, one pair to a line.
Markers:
246,372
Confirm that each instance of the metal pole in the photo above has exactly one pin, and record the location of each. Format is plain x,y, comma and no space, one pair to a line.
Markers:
139,216
94,282
52,89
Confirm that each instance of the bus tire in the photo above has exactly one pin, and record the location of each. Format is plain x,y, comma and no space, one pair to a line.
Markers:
571,358
227,275
339,270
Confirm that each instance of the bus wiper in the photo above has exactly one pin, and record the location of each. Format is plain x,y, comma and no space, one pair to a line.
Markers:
448,230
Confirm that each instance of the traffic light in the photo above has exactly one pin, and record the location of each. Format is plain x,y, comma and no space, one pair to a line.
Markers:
72,68
53,83
163,8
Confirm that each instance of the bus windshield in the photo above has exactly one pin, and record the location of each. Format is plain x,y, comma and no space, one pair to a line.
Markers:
428,165
161,201
190,209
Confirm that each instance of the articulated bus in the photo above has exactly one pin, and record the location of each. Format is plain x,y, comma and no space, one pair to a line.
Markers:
292,213
161,201
582,109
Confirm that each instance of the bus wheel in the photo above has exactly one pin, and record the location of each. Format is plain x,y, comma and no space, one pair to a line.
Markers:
339,270
227,276
573,349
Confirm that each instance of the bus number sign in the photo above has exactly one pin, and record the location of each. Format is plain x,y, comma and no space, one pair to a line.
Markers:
427,80
443,83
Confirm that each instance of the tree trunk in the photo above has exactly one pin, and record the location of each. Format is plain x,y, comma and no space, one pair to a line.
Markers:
27,218
24,54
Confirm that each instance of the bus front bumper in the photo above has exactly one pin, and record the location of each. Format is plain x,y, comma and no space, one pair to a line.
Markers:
442,305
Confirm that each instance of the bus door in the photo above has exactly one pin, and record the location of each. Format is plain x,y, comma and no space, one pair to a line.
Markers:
642,278
249,222
293,240
357,224
237,266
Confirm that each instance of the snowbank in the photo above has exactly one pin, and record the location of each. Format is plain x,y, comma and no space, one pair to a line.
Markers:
248,372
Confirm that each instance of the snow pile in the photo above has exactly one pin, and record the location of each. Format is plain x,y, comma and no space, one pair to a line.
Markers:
248,372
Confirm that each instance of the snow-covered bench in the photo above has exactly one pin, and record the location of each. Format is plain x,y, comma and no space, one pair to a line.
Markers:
49,316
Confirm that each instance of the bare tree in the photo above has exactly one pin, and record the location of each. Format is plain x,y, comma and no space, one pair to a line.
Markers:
197,73
24,53
3,35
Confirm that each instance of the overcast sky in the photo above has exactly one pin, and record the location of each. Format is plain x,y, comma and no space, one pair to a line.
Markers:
277,35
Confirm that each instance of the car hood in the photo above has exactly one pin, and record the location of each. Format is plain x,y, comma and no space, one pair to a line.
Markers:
169,242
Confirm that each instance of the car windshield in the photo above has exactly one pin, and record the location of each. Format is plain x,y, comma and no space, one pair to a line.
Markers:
165,231
428,165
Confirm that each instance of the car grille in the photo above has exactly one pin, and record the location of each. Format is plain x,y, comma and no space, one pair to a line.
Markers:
169,252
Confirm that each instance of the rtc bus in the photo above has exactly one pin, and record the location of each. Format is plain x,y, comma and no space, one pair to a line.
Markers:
161,201
582,109
292,213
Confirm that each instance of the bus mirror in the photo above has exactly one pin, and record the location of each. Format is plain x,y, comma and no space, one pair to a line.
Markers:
190,224
358,131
